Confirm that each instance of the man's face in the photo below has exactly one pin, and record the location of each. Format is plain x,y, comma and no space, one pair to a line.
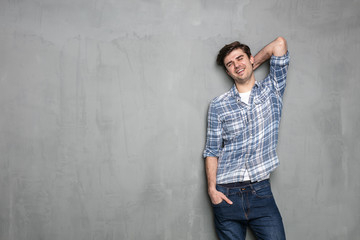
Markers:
239,66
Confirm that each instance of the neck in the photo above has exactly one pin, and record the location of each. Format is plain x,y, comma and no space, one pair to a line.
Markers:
243,87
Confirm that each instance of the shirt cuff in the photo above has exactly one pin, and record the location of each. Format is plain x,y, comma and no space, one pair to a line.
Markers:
280,60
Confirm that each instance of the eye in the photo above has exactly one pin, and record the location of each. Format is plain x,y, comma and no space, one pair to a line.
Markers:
240,57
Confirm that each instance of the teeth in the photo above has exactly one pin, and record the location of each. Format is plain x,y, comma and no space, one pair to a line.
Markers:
240,70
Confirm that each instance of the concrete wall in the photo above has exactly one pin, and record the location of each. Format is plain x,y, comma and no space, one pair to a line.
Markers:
103,114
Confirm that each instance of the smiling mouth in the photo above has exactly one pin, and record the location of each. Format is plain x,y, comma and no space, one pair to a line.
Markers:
240,71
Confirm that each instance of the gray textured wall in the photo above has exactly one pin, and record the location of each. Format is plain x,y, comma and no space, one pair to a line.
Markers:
103,115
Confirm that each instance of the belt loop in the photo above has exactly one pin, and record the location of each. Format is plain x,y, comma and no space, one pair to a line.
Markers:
252,186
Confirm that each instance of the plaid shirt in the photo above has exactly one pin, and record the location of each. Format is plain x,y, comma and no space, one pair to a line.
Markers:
244,136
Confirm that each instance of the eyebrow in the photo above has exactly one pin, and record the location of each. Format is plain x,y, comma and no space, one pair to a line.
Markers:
241,55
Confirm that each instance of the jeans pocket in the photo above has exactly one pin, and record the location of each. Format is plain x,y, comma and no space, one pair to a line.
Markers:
223,203
263,191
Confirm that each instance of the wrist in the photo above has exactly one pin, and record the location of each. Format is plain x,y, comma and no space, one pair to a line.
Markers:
212,189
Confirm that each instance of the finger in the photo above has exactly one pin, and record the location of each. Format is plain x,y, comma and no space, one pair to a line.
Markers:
217,201
227,200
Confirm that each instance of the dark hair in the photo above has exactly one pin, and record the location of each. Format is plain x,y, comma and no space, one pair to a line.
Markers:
227,49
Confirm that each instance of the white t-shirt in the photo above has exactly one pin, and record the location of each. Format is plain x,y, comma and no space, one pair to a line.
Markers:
245,97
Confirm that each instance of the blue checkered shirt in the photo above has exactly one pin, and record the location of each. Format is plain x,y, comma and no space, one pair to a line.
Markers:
244,136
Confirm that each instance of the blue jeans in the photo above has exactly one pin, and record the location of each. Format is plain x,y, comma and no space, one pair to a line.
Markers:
254,207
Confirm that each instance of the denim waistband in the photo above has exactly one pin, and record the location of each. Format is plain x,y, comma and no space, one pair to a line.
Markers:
234,188
240,184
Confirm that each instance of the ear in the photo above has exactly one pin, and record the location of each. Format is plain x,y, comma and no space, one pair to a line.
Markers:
227,72
252,60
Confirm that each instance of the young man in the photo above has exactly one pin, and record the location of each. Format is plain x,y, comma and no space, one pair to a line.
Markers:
242,135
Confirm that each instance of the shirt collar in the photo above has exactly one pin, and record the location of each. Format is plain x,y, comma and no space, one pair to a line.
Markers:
235,92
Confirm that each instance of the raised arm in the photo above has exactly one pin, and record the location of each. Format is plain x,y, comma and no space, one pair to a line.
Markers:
278,47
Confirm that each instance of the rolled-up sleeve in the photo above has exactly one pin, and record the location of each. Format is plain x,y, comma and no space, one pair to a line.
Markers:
214,133
278,71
